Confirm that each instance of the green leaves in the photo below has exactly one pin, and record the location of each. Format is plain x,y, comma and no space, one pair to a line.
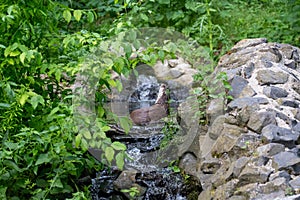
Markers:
77,14
67,15
109,154
43,158
37,99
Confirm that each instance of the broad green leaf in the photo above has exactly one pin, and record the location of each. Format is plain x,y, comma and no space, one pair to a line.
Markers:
120,160
90,17
14,53
35,100
43,158
67,15
58,183
12,165
23,99
87,134
144,17
7,51
22,57
77,14
109,154
118,146
2,46
125,124
78,140
84,145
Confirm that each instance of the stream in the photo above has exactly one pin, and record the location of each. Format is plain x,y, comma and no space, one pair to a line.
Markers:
150,167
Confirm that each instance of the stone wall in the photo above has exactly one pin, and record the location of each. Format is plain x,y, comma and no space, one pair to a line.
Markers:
252,151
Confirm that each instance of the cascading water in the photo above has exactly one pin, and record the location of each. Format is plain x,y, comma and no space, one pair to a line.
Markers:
143,148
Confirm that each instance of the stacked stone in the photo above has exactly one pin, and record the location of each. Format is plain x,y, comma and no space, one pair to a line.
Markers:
252,151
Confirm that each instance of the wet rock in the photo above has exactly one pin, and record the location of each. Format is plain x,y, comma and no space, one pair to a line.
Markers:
271,77
258,120
273,133
270,149
125,180
285,160
275,92
295,183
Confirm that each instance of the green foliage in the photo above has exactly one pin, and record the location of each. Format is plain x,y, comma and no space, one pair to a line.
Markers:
133,191
44,45
210,86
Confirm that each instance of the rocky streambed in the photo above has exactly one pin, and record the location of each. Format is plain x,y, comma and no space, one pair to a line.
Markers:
249,150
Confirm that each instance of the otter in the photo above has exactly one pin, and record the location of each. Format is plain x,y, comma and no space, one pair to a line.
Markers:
153,113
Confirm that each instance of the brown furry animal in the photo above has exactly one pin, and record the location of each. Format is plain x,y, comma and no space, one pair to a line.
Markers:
159,110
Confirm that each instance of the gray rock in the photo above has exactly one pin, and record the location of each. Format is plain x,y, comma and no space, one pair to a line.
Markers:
217,127
258,120
275,92
247,101
290,64
278,195
248,70
284,160
227,140
238,84
267,63
270,149
226,190
273,133
293,197
290,103
271,77
254,174
239,165
125,180
245,140
295,183
245,43
189,164
297,115
296,87
215,109
175,73
280,174
210,166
